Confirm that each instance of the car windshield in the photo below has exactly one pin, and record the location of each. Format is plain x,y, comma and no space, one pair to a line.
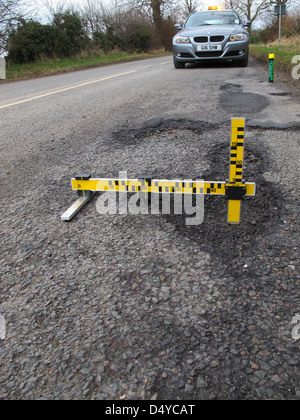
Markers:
213,18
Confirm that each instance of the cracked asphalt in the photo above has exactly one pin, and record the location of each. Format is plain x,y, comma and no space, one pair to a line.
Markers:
140,307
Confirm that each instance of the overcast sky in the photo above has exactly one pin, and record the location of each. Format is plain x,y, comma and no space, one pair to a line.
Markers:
41,12
42,9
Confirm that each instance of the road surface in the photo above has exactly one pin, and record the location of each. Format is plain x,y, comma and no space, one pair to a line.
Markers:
143,306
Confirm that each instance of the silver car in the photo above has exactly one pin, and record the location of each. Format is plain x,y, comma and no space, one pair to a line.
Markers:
212,35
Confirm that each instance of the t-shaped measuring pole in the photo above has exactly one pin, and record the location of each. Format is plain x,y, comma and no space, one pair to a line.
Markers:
234,189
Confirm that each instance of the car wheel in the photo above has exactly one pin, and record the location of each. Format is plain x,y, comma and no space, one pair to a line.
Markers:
244,62
178,64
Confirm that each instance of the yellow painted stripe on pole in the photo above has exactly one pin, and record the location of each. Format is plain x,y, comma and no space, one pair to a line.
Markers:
234,212
238,122
250,189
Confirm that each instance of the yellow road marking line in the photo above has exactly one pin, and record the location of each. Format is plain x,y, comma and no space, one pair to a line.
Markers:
65,89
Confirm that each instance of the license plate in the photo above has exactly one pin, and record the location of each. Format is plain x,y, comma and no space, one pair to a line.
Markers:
209,48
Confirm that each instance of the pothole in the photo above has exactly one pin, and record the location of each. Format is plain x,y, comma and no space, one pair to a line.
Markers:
234,100
181,149
243,102
133,136
259,214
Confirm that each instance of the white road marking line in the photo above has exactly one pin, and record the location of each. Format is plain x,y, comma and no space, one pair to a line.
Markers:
65,89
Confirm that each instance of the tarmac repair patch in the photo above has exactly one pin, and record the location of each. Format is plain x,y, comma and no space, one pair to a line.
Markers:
234,100
259,215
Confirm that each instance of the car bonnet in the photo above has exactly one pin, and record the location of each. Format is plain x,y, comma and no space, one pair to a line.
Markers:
212,30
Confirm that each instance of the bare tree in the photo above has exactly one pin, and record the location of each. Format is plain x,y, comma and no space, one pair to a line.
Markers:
10,12
53,7
189,6
95,14
250,9
279,2
153,8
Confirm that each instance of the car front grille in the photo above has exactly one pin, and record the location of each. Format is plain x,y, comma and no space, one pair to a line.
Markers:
201,39
204,39
218,38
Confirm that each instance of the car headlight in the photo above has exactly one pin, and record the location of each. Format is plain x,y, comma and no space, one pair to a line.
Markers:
182,40
238,37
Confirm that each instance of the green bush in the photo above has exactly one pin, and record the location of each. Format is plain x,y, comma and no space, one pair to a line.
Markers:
71,37
132,38
30,41
66,36
139,39
108,40
255,37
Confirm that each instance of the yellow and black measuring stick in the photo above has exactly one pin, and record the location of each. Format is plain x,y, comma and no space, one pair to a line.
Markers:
234,189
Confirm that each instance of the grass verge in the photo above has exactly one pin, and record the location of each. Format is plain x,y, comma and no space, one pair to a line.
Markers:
284,54
48,67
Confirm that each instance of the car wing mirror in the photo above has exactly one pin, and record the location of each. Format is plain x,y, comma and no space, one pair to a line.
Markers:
247,23
177,26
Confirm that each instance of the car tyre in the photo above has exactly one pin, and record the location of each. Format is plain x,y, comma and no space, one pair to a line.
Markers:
244,62
178,64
